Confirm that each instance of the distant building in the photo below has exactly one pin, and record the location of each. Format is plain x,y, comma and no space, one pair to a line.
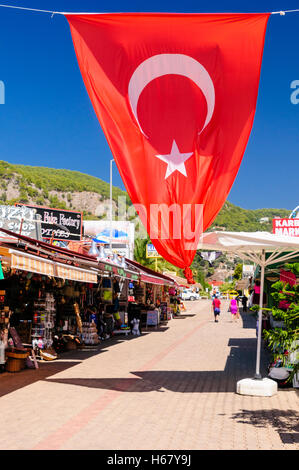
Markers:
248,270
264,220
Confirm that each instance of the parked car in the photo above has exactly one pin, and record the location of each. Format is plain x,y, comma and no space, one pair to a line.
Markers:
189,294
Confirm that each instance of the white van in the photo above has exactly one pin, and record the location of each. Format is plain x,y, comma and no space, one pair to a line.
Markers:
189,294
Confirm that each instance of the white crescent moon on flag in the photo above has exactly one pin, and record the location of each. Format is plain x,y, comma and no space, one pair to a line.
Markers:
171,64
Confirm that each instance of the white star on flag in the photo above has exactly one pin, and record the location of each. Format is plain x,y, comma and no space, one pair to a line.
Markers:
175,160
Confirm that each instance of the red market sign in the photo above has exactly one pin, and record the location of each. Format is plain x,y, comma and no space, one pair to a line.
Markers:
289,227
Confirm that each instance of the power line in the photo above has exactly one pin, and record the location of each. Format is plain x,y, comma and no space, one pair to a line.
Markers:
30,9
281,12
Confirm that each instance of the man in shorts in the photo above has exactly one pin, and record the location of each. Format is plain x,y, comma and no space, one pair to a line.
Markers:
216,307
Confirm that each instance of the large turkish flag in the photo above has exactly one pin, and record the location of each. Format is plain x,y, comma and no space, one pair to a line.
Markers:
175,95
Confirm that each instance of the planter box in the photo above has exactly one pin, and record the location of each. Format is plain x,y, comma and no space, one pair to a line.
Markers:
276,323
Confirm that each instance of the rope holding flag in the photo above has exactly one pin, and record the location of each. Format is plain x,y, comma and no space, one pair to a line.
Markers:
280,12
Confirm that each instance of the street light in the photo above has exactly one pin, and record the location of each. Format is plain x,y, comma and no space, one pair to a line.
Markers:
110,240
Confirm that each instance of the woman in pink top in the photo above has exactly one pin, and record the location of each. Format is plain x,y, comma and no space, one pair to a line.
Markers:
234,309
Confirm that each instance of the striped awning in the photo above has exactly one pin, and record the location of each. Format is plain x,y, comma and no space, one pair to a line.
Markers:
31,263
34,264
152,279
76,274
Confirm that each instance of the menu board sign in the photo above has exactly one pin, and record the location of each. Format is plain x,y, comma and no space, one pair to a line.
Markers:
152,318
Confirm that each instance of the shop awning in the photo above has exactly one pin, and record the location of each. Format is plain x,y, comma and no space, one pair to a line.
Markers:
31,263
151,279
182,282
35,264
75,274
85,262
149,275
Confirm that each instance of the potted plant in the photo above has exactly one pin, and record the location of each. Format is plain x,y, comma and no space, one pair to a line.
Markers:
282,338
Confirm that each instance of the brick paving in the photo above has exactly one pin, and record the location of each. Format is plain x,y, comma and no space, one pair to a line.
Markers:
169,389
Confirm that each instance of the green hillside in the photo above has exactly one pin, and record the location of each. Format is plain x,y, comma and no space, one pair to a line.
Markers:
58,187
233,218
33,181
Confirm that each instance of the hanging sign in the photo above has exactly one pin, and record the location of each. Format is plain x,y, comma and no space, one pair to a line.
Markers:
19,220
175,95
151,251
58,224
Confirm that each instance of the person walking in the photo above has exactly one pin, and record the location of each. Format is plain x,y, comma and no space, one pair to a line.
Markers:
234,309
216,307
244,303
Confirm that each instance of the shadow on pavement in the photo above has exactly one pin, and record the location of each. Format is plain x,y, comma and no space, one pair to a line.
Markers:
285,422
10,382
248,319
149,381
240,364
180,316
153,329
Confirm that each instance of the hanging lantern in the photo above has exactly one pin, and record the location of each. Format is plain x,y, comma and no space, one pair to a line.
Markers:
101,252
93,249
115,258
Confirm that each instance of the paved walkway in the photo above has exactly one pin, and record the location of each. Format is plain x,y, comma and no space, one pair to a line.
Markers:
169,389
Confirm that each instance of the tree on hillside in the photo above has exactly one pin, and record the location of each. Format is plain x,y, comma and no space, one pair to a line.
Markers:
238,272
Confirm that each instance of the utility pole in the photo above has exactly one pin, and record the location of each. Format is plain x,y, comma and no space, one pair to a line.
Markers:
110,240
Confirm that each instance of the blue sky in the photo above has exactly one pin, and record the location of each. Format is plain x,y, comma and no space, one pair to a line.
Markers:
48,120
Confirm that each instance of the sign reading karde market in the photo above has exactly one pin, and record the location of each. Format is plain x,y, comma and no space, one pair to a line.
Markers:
59,224
289,227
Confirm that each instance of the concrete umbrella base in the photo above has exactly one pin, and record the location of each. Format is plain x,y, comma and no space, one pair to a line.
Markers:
257,387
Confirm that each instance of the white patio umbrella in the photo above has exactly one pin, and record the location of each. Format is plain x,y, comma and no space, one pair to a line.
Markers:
263,249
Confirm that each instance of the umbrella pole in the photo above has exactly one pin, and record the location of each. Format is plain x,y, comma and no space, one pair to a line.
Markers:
259,332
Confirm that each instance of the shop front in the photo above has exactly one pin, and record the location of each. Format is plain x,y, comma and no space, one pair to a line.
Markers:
53,300
44,299
152,298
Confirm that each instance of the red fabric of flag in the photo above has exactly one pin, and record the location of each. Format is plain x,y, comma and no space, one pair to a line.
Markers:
175,95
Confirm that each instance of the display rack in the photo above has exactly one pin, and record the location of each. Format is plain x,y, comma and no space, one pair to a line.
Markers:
43,322
5,314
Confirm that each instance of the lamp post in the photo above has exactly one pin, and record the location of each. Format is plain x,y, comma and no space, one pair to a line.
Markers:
110,239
